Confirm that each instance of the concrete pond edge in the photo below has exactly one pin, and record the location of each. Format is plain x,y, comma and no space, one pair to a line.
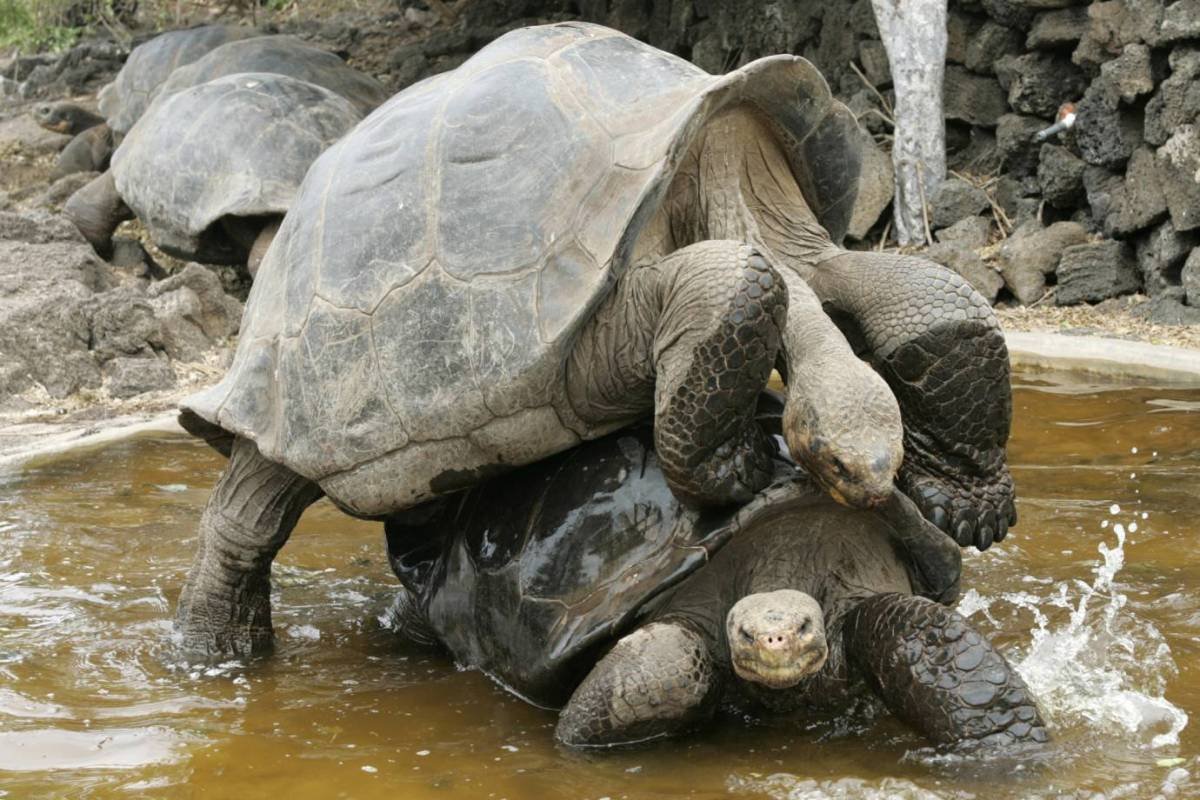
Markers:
1102,357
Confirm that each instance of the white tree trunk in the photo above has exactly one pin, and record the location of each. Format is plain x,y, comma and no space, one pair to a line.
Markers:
914,35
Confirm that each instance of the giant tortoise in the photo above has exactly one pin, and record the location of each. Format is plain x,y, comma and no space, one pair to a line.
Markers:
123,101
580,581
566,233
210,170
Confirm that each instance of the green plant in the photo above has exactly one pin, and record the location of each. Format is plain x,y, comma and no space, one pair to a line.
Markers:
38,24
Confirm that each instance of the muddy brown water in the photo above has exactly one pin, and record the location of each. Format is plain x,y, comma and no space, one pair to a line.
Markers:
93,549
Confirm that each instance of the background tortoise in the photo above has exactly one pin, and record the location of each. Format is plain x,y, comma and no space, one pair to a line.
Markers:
210,169
91,147
783,604
568,231
123,101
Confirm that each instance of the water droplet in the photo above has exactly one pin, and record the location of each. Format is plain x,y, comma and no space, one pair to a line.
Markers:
1133,449
369,769
423,752
1133,527
1114,509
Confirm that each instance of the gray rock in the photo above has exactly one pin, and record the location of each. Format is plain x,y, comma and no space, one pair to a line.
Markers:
953,200
1160,254
1089,273
1141,203
1180,20
1114,24
1179,165
1104,190
1106,132
1190,278
1009,13
37,227
970,232
867,110
1015,145
972,98
977,154
62,189
1177,100
989,44
1061,28
1060,176
876,185
1169,308
21,134
1130,73
873,58
1032,253
1011,195
970,266
1041,4
129,377
194,312
1042,82
123,324
960,27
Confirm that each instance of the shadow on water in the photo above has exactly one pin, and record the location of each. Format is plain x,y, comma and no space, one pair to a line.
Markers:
1094,596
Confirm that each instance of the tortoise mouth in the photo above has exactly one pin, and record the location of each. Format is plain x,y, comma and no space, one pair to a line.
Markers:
770,670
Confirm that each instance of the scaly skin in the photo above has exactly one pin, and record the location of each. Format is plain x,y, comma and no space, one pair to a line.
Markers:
698,332
89,151
96,210
225,607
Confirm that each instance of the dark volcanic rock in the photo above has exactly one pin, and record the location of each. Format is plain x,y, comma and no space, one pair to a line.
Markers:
1042,82
1177,101
1114,24
1190,277
1061,28
989,44
1169,308
972,98
1104,190
1160,254
1014,142
1106,131
1130,74
953,200
969,232
1089,273
1006,12
1180,20
1179,165
1141,203
1060,175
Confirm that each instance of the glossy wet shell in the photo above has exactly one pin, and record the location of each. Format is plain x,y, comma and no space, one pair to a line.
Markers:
284,55
124,100
408,331
237,146
531,575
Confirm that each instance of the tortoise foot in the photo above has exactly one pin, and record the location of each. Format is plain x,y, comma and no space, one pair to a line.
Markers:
972,512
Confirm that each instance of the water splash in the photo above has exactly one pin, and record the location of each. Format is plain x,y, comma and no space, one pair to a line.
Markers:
784,786
1103,668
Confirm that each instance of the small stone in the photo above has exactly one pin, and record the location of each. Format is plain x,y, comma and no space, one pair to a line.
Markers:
1042,82
1060,176
953,200
1061,28
1177,100
1169,308
1089,273
128,377
1190,277
1130,73
1006,12
1033,252
970,266
1179,165
989,44
1141,202
972,98
969,232
1160,254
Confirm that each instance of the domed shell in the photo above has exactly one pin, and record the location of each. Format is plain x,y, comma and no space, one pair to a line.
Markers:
531,575
284,55
408,330
123,101
238,146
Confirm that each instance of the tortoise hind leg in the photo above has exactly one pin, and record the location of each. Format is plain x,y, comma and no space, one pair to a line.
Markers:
225,607
939,674
694,335
96,210
655,682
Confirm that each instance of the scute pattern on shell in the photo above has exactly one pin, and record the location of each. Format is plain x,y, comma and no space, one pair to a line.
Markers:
408,329
125,100
236,146
283,55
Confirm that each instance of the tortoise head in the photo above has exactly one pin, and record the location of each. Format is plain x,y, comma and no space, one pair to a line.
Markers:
849,439
776,639
53,116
